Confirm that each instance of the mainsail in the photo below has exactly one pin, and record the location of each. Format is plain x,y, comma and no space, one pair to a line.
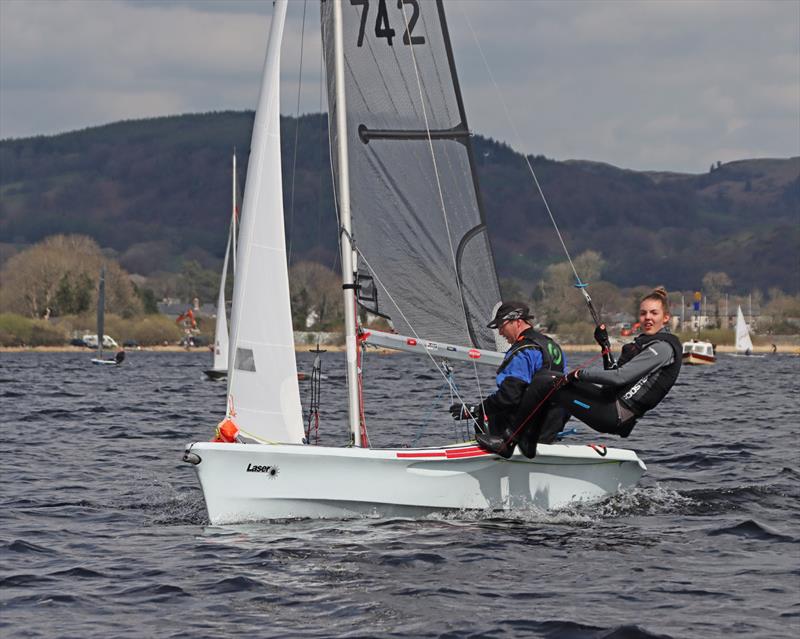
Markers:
743,342
263,395
416,207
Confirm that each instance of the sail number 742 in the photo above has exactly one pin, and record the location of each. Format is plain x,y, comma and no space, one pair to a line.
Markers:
382,28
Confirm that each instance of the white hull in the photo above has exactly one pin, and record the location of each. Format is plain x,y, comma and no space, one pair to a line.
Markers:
287,481
104,362
745,355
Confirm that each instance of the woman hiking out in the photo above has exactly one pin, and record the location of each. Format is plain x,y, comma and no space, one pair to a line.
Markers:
613,399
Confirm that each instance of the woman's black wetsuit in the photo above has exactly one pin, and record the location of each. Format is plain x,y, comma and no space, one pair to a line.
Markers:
610,401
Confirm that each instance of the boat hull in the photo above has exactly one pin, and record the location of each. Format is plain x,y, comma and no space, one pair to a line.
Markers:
105,362
216,374
698,359
252,482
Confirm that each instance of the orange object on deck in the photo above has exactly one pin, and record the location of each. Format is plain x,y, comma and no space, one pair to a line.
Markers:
226,431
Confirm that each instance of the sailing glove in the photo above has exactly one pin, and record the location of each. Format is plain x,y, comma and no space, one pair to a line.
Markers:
572,376
601,335
467,411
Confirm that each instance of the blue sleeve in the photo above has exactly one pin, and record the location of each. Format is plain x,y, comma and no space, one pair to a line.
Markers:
522,366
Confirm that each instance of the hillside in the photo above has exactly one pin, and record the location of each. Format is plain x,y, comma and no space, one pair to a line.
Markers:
157,192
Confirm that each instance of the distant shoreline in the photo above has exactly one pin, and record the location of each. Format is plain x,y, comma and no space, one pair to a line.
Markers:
783,348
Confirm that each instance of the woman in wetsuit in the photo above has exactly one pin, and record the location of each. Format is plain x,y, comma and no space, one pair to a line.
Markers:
613,399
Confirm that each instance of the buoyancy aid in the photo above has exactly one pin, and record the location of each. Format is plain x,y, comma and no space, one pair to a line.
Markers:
552,357
551,419
645,393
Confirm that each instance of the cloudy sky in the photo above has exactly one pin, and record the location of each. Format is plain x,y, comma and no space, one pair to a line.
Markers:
666,85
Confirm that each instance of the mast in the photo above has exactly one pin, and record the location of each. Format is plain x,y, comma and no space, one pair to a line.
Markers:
233,214
345,232
683,308
727,314
101,310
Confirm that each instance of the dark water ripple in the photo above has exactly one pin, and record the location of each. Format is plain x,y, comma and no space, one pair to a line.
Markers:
103,532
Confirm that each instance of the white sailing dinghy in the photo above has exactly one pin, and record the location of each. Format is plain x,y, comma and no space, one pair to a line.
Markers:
744,345
219,368
403,164
101,324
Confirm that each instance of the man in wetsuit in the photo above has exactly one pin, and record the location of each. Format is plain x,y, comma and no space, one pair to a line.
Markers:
529,353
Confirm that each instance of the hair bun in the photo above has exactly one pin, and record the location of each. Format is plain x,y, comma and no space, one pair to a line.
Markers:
659,294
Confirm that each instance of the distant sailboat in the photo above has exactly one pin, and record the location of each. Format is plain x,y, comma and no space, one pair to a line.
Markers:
101,317
219,368
744,345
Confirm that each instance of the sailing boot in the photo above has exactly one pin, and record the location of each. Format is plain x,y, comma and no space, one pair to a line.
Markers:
502,445
626,427
527,442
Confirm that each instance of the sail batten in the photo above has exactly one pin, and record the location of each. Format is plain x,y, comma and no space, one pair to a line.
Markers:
417,217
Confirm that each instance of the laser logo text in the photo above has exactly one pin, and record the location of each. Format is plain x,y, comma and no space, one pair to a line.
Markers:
269,471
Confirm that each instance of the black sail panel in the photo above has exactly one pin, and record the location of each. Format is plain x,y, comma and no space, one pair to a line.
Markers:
415,203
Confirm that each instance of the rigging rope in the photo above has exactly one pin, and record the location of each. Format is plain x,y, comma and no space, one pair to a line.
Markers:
427,419
579,284
557,384
355,248
436,172
314,401
296,133
444,375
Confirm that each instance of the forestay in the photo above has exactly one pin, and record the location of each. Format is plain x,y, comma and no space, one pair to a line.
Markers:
263,394
417,218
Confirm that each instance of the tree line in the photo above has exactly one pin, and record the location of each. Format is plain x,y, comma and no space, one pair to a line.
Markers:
55,282
157,193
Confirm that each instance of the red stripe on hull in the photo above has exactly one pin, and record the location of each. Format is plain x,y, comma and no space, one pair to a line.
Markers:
450,453
413,455
458,454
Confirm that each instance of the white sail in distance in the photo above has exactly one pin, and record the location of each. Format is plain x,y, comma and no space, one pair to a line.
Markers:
221,328
263,394
743,342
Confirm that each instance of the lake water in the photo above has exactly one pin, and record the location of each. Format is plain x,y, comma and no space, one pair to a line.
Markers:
103,531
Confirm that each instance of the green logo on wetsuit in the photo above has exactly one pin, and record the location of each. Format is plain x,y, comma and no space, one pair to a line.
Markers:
555,353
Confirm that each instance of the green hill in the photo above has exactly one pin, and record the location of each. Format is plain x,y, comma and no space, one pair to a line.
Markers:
157,191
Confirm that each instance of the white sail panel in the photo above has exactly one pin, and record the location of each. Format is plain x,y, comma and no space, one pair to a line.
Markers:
263,394
743,342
